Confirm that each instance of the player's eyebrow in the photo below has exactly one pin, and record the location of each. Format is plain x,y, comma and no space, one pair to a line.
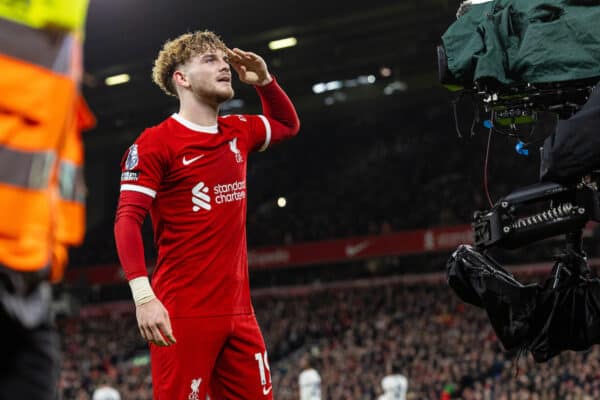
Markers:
213,54
207,56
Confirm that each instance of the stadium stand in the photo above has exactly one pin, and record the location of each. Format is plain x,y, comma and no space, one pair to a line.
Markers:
354,333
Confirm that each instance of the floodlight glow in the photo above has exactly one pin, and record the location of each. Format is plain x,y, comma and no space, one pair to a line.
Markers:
319,88
282,43
333,85
117,79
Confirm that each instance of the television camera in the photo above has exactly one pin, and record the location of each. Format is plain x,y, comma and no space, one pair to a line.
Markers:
530,317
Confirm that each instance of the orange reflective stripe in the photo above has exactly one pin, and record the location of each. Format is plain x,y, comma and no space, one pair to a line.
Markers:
29,170
50,50
71,182
70,222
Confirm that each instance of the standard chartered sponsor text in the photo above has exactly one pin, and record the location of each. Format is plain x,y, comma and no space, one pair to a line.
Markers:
226,193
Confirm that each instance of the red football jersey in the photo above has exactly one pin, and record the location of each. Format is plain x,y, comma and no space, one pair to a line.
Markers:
197,177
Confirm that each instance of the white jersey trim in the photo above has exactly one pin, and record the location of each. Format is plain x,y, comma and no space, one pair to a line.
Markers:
267,133
212,129
139,189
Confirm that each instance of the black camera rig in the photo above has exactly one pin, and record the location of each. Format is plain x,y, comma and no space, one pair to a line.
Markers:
535,213
514,88
544,209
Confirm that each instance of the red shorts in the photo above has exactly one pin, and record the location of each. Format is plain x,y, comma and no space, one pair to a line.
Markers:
224,357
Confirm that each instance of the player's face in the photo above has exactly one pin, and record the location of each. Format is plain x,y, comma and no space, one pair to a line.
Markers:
209,75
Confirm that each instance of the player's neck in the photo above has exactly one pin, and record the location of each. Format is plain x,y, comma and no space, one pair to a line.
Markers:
198,112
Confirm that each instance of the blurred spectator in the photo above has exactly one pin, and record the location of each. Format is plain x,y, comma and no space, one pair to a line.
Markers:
309,382
394,387
104,392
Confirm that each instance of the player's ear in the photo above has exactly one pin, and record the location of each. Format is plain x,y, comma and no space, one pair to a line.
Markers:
180,78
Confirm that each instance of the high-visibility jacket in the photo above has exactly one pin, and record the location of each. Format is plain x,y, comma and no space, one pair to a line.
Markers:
66,15
42,191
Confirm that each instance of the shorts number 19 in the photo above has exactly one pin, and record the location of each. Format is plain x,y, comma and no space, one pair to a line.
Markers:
263,362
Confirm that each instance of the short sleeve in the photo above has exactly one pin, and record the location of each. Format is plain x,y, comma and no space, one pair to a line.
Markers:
143,165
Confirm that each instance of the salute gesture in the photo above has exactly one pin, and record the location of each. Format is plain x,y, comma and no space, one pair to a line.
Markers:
250,67
201,274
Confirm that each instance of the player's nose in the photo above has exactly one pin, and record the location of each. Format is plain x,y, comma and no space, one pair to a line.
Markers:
224,65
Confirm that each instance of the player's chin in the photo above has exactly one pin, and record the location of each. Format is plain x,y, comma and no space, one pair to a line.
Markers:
224,94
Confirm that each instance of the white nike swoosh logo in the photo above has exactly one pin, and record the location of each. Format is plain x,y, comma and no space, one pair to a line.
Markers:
351,251
266,391
191,160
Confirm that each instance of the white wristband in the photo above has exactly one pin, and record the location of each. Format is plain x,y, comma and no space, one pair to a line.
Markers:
141,290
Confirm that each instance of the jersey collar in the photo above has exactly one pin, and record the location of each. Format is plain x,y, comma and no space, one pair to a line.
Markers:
195,127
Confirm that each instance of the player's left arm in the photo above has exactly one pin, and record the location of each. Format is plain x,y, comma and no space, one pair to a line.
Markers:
282,120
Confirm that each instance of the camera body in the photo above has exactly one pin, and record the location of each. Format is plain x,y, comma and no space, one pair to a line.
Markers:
535,213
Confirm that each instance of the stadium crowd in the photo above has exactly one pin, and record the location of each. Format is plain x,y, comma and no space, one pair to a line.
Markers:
104,350
353,337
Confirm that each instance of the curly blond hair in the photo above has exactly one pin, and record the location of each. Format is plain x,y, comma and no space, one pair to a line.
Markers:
177,52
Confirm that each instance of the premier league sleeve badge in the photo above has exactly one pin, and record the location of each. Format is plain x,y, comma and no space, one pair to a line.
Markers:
132,157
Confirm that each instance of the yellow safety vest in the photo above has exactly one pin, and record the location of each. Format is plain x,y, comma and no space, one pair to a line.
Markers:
67,15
